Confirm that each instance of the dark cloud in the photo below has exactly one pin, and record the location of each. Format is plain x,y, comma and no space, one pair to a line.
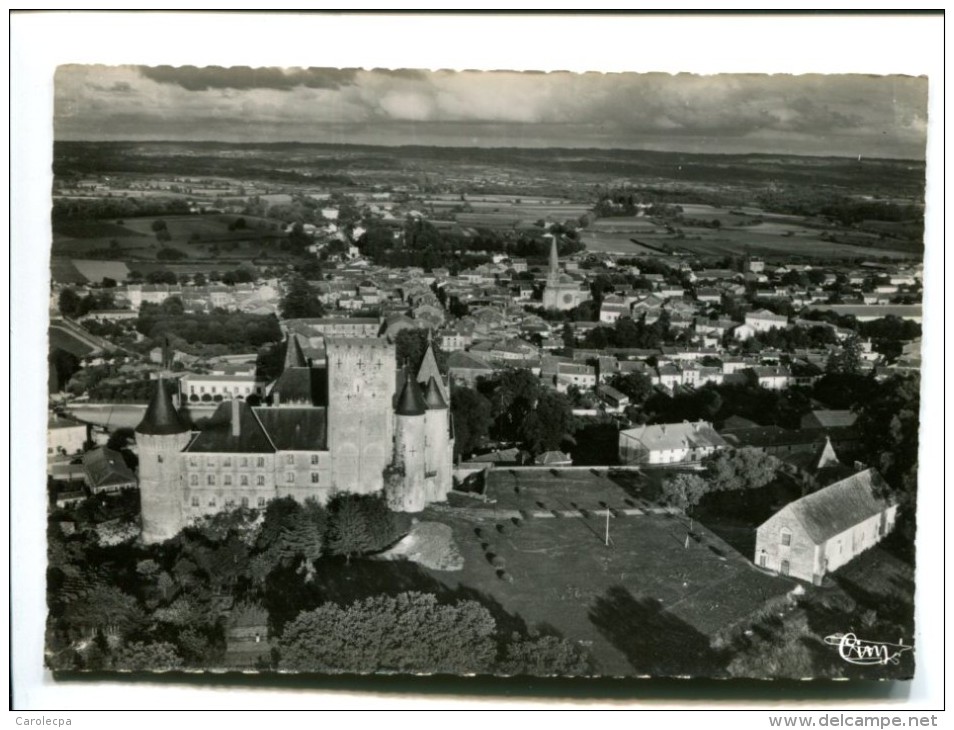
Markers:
120,87
193,78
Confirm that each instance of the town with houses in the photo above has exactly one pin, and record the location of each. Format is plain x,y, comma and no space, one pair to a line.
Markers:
592,447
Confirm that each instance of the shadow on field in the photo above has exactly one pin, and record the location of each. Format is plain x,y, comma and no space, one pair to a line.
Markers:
653,641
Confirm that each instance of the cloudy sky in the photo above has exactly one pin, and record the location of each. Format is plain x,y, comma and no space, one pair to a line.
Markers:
811,114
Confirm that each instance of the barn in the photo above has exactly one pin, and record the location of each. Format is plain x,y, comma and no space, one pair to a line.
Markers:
821,532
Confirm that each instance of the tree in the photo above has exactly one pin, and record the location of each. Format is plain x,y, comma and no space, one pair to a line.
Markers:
410,346
635,385
142,657
548,422
472,417
544,656
303,536
568,336
300,300
888,421
358,524
684,490
69,302
847,360
410,632
745,468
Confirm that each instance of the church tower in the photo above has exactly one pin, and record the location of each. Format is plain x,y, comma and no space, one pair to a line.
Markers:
160,436
561,291
406,490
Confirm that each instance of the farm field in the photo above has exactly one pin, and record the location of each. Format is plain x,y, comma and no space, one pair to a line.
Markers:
134,241
772,236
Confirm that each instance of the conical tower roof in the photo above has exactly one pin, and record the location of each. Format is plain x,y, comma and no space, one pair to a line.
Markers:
429,369
161,417
294,356
411,401
432,396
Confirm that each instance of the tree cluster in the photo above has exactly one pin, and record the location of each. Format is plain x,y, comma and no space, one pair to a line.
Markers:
732,470
217,327
129,606
414,632
73,305
527,412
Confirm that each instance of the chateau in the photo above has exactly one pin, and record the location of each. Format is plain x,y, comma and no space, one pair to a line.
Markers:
354,423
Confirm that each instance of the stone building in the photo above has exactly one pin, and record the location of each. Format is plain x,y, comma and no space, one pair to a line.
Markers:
817,534
332,426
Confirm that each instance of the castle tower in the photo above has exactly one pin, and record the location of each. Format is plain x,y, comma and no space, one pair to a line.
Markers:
438,451
360,411
407,492
160,436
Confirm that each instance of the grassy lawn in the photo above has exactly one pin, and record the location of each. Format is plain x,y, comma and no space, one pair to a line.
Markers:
571,489
647,604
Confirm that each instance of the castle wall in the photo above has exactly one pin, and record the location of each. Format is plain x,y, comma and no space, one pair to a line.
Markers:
214,482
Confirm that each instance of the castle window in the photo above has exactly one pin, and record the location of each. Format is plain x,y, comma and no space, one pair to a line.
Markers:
227,480
244,461
159,458
193,461
230,503
260,481
227,461
314,477
260,462
195,501
245,501
244,480
314,459
290,477
210,479
210,461
290,459
261,501
211,501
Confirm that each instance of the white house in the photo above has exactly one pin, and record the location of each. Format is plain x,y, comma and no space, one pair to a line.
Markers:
669,443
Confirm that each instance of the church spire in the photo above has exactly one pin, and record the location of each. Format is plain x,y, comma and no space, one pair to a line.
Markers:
161,417
554,259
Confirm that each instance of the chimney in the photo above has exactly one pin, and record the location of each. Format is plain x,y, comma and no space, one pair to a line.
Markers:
236,420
